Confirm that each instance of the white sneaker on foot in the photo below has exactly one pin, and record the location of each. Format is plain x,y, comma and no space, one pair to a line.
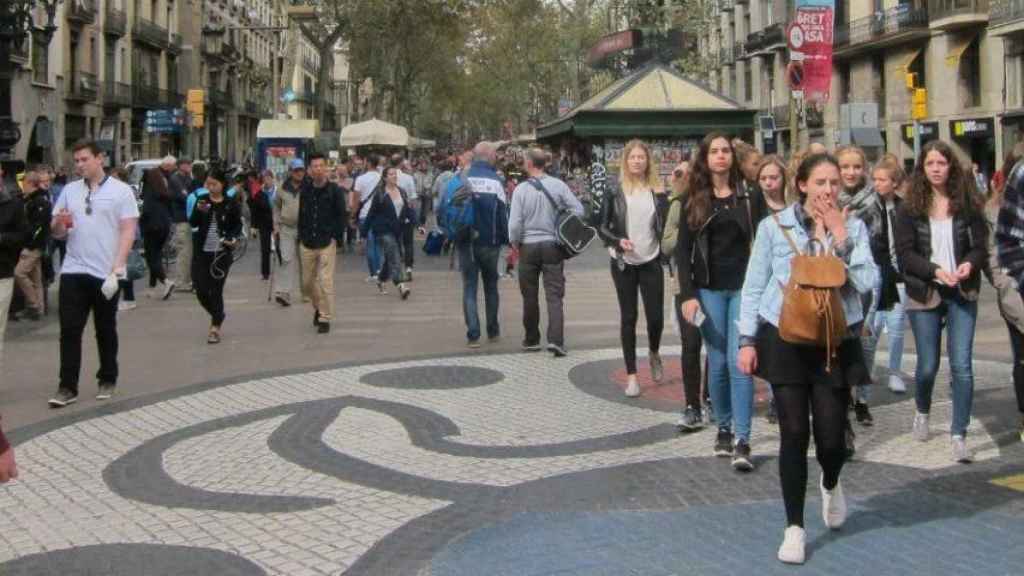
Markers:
833,505
961,453
920,431
126,305
792,549
632,387
896,384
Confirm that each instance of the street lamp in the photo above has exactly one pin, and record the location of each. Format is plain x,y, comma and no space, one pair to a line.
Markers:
16,25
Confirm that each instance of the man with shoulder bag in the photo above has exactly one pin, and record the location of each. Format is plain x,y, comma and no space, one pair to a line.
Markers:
533,226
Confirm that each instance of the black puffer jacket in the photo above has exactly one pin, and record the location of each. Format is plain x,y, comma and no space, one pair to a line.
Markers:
38,212
13,229
612,221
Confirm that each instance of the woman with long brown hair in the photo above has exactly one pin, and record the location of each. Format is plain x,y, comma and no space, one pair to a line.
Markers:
942,247
771,179
631,223
715,238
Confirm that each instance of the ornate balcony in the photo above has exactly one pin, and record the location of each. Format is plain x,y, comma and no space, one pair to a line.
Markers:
116,94
81,12
174,43
115,22
953,14
150,33
146,94
1005,16
884,29
83,88
221,99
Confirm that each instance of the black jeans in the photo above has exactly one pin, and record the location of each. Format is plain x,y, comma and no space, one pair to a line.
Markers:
127,290
408,248
79,295
153,242
690,356
649,280
536,259
265,233
208,280
1017,346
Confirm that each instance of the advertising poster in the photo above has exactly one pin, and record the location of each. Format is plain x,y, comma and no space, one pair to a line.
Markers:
810,44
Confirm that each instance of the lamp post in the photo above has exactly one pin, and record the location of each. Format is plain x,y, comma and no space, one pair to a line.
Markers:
16,26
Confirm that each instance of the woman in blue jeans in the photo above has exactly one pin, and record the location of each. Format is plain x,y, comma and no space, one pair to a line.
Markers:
720,220
942,245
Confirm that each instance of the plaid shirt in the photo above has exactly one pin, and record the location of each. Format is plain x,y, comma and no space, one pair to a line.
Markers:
1010,226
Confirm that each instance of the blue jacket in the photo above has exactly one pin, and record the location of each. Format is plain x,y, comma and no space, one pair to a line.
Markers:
491,206
769,268
193,198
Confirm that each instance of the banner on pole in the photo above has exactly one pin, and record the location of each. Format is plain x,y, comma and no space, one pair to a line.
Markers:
810,44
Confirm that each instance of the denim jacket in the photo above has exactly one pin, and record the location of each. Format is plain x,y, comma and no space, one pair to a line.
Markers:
769,268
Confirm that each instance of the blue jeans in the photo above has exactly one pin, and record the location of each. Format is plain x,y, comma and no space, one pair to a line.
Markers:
960,316
878,320
373,255
479,262
732,392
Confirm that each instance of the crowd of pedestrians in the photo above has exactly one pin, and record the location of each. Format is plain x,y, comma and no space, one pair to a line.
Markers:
725,236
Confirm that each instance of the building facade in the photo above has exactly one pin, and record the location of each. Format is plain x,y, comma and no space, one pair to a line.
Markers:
966,55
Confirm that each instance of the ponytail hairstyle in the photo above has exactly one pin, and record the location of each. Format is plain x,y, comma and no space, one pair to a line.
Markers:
699,187
963,196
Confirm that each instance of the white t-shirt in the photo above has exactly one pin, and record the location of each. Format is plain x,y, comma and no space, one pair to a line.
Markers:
365,185
640,217
942,244
408,183
92,241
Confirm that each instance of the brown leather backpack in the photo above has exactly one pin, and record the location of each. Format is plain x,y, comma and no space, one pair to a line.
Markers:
812,307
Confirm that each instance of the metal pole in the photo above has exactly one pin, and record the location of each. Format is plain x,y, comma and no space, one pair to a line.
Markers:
794,126
917,139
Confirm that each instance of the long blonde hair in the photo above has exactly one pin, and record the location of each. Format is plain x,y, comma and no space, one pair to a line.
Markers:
628,182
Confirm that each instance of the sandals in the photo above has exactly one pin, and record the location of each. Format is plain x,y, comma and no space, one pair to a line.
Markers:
214,336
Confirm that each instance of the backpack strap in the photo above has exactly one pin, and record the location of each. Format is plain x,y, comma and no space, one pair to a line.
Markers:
786,233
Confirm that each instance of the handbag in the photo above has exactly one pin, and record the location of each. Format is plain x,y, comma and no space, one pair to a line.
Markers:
135,267
812,308
571,232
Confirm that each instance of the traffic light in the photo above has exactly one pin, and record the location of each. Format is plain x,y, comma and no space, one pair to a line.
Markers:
911,78
920,104
194,105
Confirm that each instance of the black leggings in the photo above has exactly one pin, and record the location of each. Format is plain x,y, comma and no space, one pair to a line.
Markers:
649,278
796,404
208,281
265,233
690,356
153,242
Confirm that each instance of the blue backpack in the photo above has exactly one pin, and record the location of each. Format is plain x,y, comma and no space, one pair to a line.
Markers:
459,215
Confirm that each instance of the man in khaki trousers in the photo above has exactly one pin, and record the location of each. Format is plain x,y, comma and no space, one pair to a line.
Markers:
322,220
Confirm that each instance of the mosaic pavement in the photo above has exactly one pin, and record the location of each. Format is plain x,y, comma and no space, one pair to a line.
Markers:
486,464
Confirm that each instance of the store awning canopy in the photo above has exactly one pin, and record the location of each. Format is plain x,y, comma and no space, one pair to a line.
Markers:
867,137
415,142
652,101
908,60
374,132
958,47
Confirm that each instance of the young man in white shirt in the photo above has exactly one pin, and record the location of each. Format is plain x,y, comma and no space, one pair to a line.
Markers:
97,216
359,203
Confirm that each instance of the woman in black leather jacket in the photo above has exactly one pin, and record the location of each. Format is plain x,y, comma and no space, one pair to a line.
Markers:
631,224
942,246
720,219
216,228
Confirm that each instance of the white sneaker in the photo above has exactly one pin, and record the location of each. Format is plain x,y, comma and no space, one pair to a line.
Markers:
124,305
632,387
961,453
920,431
168,290
792,549
896,384
833,505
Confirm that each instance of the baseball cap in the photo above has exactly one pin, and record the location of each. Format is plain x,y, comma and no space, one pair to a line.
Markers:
297,164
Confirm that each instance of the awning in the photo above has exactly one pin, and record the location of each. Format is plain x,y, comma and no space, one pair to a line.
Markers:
867,137
374,132
957,49
908,61
287,129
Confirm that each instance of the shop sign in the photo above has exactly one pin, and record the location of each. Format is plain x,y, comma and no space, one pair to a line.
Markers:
613,43
929,131
980,128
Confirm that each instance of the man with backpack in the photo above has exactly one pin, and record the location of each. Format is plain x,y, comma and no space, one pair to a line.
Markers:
476,220
532,227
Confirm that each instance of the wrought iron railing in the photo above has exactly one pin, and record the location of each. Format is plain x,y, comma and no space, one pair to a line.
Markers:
880,25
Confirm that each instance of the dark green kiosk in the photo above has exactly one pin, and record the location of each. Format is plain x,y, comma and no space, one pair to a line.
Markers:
656,104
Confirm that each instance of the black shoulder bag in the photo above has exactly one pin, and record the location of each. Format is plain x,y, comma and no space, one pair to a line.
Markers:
572,233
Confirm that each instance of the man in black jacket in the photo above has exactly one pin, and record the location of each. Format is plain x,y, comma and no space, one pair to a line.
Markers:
13,228
28,274
322,220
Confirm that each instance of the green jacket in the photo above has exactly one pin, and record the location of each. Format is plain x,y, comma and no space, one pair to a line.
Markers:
670,235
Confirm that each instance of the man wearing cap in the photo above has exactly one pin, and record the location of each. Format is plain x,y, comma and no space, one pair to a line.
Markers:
286,222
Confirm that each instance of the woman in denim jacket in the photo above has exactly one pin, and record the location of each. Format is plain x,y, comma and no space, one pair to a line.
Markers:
800,381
